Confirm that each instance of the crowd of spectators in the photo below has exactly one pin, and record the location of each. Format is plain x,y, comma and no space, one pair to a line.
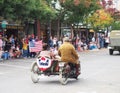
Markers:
13,47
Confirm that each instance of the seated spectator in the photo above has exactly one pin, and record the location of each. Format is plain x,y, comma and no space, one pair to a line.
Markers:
5,55
11,53
17,53
92,46
1,52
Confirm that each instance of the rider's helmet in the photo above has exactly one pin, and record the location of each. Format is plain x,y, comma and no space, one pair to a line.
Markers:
66,39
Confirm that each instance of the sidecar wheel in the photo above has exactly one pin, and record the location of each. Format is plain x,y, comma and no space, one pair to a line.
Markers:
34,73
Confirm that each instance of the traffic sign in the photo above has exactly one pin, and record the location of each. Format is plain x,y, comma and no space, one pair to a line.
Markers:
4,23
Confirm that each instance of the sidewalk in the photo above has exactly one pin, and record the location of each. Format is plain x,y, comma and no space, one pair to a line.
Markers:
96,50
17,59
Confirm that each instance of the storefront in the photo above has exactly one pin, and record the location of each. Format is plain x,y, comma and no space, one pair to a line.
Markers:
65,31
15,30
8,29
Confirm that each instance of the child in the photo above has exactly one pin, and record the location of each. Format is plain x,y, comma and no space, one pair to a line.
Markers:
54,51
45,52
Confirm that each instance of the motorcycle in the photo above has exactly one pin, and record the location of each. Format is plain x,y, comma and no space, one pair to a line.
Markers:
47,67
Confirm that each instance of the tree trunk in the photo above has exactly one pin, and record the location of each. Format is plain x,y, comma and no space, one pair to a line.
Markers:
58,28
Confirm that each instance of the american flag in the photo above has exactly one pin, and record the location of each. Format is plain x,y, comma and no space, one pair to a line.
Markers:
37,46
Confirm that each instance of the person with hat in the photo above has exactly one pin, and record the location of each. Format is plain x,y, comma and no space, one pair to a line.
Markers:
68,53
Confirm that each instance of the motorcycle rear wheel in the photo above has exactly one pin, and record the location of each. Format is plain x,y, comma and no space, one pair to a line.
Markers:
63,80
63,77
34,73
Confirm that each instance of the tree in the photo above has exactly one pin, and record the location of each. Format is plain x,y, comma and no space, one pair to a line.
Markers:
116,25
26,9
100,19
108,6
78,10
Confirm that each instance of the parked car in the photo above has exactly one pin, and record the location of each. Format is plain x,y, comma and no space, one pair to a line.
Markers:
114,41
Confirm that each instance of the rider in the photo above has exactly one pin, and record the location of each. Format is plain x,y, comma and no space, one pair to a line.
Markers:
68,53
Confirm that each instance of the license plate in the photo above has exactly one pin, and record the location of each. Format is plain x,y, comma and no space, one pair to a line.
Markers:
61,64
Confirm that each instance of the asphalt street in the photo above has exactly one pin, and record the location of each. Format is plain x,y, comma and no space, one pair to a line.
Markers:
100,74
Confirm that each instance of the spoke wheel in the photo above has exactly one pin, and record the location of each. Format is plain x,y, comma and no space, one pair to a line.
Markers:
63,77
34,73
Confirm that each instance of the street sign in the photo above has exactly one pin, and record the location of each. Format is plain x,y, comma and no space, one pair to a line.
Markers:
4,23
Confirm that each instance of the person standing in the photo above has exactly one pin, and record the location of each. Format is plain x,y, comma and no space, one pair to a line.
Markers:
55,41
1,50
31,43
25,48
50,42
1,42
59,42
20,43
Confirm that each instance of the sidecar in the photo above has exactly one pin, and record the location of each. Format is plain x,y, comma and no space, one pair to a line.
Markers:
48,67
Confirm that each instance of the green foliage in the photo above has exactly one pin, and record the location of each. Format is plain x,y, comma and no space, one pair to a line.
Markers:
100,19
26,9
77,13
116,25
42,9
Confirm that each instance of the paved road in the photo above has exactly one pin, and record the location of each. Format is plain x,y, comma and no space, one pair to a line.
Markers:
100,74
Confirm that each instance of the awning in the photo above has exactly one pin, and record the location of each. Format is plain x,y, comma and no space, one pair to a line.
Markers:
14,27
